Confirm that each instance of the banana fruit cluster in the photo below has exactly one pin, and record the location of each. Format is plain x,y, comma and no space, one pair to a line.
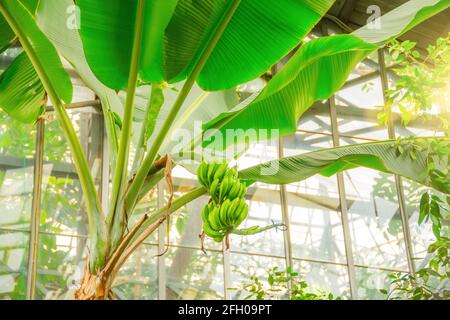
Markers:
227,208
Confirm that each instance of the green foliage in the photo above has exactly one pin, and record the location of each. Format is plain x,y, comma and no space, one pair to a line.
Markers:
437,152
431,281
422,88
282,285
431,207
422,91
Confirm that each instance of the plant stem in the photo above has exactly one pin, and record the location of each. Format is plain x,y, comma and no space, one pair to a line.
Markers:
116,216
255,230
98,231
140,149
36,209
154,105
152,153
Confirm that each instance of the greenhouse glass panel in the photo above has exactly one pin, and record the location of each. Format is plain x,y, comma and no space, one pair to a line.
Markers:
192,275
324,277
13,264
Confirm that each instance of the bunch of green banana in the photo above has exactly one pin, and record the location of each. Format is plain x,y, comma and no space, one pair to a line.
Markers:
227,208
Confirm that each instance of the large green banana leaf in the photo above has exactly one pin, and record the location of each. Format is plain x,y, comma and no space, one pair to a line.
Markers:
382,156
259,34
107,29
51,16
21,91
318,69
7,36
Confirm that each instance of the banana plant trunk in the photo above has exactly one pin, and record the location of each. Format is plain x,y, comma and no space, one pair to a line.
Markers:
94,287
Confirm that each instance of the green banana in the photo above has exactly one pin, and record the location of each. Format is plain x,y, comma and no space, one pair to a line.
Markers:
223,189
235,190
234,210
211,171
230,215
243,212
202,174
213,190
221,171
223,212
232,173
214,220
210,232
205,213
243,191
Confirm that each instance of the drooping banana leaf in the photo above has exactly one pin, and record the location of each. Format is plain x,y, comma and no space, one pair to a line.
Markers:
381,156
7,36
51,16
107,29
260,33
317,70
21,91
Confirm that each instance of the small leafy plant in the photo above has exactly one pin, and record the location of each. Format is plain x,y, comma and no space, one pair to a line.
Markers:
282,285
431,281
428,283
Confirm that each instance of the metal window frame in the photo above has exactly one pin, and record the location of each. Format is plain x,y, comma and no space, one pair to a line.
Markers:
398,180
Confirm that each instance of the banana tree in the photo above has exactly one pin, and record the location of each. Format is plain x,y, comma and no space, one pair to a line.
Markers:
204,49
